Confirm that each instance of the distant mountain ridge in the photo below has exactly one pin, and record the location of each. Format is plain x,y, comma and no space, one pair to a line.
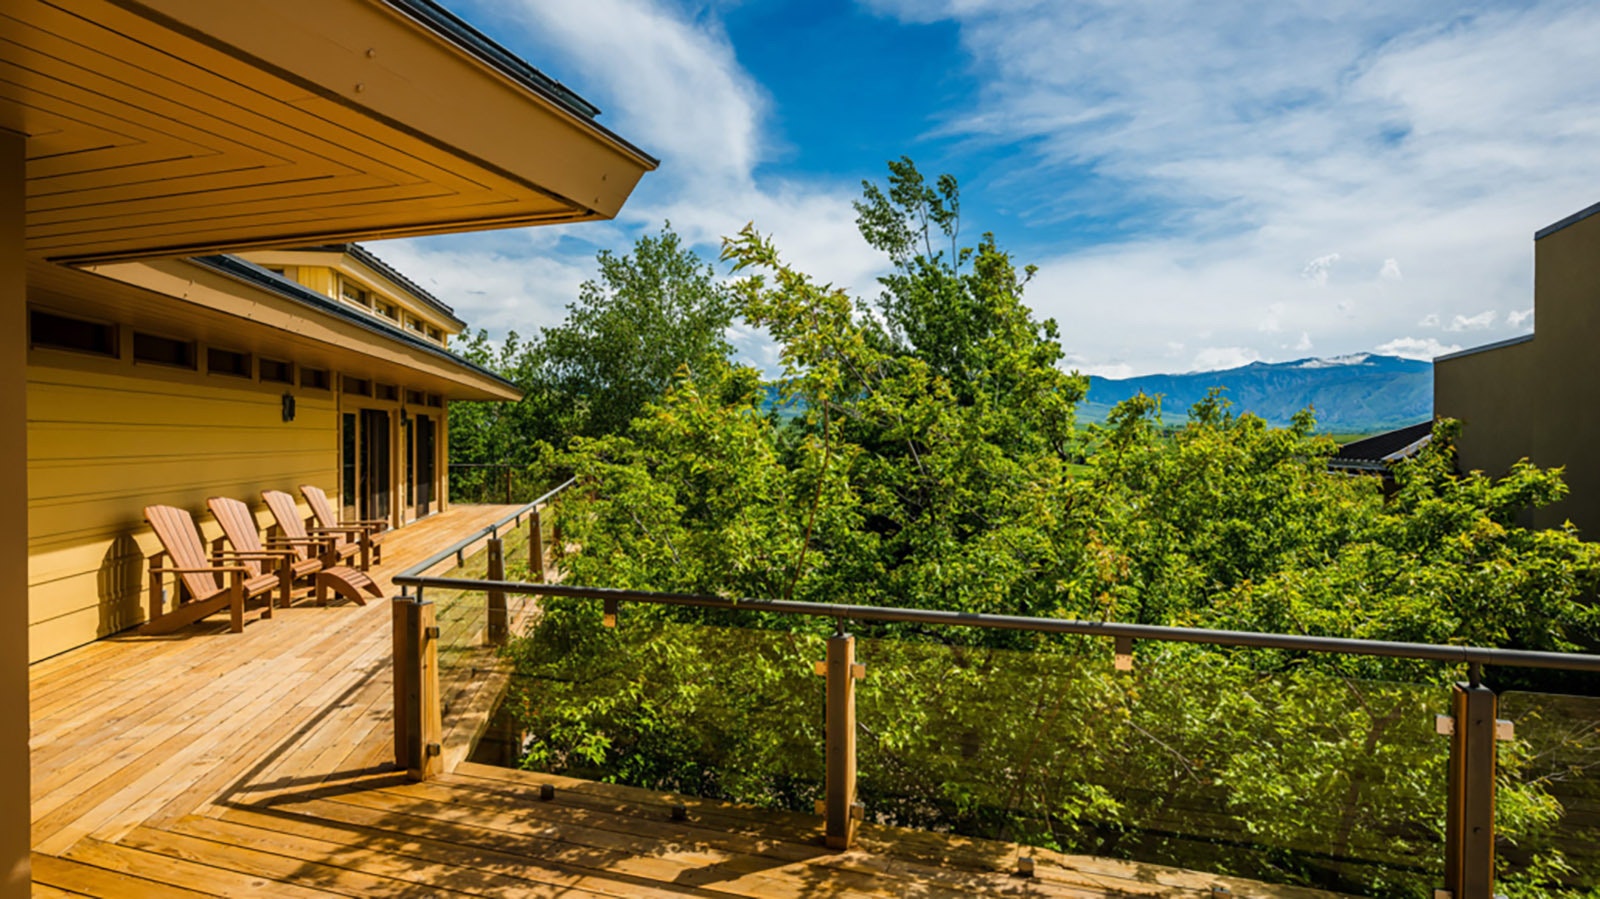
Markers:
1357,394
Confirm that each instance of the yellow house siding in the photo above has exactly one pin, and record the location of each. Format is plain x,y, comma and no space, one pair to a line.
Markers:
105,440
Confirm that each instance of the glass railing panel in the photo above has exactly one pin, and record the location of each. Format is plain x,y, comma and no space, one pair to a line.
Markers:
717,712
1548,809
1191,760
1195,759
463,618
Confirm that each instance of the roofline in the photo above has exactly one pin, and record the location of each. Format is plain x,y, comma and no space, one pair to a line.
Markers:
1499,344
1572,219
485,49
370,259
256,276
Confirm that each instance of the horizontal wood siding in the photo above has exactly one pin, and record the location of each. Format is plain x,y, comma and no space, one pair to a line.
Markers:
104,444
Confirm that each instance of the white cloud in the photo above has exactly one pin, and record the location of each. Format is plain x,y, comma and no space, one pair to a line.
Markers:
1471,322
1304,344
666,77
1316,271
1517,318
1424,348
1222,357
1262,134
1431,320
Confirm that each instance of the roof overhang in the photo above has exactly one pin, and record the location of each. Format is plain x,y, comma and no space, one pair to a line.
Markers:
179,127
240,306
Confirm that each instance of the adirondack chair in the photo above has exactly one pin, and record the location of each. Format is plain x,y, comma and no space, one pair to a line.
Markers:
216,582
327,551
369,532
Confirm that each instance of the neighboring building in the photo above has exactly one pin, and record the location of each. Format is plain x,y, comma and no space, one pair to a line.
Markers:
1534,397
1378,454
136,134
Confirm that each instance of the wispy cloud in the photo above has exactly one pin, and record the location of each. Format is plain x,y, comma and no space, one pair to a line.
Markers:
668,78
1245,139
1425,348
1471,322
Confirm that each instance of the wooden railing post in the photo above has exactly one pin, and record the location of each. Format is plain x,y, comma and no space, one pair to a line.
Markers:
1469,813
536,546
840,811
418,724
499,626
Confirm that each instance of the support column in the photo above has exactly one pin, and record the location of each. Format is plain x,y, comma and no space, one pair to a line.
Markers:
499,623
418,723
15,878
1469,811
536,546
840,811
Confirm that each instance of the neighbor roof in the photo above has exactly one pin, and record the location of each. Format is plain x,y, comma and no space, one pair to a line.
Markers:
262,278
1572,219
1378,452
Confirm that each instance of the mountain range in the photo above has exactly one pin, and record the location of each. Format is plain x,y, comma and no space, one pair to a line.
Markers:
1362,393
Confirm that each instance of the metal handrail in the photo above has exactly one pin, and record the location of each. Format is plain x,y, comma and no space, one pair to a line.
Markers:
405,578
1480,655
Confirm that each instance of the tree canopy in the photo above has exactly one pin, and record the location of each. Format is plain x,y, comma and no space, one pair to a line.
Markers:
934,461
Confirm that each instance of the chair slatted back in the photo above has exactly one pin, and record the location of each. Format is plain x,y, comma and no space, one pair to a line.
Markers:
179,536
239,524
321,509
287,514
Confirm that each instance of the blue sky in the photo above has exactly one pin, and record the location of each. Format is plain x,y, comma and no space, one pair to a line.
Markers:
1201,184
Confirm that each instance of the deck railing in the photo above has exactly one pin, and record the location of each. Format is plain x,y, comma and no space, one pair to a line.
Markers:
494,482
1472,725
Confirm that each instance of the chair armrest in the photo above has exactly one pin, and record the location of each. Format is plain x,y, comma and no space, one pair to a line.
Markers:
297,541
338,530
254,556
215,569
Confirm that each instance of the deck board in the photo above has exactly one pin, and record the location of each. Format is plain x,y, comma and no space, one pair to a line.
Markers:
260,764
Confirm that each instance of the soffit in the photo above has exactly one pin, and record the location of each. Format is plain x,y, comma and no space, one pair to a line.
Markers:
182,299
175,127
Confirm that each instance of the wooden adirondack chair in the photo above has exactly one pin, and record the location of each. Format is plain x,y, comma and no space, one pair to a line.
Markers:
239,528
327,551
369,533
216,582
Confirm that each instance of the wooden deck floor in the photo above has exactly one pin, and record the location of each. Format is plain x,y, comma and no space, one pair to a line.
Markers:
258,764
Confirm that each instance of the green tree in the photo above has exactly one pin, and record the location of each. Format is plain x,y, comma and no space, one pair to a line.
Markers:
929,466
650,313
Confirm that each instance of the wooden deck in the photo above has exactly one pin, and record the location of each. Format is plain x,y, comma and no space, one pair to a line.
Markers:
259,764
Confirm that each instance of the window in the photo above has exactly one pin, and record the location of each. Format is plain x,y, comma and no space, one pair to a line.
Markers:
357,386
414,324
436,335
227,362
59,332
434,400
388,310
355,293
314,378
388,392
163,350
414,397
276,372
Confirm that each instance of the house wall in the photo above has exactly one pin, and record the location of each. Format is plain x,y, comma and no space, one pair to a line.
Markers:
1537,399
1565,384
108,437
1489,393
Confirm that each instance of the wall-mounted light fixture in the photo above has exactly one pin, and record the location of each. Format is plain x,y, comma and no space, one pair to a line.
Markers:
288,406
